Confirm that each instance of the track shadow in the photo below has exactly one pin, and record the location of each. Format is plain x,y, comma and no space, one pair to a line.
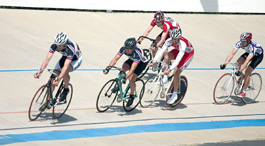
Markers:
180,106
49,116
121,112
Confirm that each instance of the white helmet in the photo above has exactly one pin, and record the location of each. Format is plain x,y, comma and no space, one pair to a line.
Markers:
60,38
175,33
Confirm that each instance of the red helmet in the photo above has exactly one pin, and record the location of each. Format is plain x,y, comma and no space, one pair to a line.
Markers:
245,36
159,16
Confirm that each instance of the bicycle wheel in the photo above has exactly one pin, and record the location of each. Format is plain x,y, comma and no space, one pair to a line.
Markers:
152,90
107,96
149,57
181,91
139,94
38,100
253,89
61,107
223,88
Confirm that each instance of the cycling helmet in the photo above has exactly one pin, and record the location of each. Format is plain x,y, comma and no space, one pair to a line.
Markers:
245,36
60,38
130,43
159,16
175,33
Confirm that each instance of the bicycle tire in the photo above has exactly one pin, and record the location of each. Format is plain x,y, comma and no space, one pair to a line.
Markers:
102,99
253,89
181,95
61,107
39,98
139,90
149,57
220,95
152,90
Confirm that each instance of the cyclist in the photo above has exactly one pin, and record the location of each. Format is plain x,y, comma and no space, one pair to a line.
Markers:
253,55
71,59
166,24
135,64
183,53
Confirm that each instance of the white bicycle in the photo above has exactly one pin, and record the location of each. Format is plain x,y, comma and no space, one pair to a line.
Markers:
225,86
154,88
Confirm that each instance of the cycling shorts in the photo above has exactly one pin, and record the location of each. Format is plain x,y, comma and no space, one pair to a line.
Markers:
140,67
255,61
186,59
74,64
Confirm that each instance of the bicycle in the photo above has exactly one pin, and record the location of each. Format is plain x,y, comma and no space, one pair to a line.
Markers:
155,87
225,86
113,90
45,95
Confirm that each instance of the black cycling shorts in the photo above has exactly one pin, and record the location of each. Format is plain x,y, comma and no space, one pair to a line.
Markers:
255,61
139,69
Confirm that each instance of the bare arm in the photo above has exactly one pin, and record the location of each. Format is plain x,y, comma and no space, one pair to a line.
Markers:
65,68
230,56
149,29
113,62
44,64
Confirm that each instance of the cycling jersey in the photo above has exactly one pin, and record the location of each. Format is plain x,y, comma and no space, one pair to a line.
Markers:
182,50
168,25
253,48
71,51
137,55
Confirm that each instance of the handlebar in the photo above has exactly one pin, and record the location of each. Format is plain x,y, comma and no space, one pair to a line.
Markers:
163,64
146,38
235,66
150,39
50,71
121,71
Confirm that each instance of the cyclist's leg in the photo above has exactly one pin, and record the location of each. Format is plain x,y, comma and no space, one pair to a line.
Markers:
247,77
127,65
139,69
183,64
177,73
170,55
256,60
242,59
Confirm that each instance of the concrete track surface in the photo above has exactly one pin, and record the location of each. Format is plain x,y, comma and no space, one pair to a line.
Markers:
25,38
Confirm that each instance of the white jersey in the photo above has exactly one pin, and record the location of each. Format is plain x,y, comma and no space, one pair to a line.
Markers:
184,46
253,48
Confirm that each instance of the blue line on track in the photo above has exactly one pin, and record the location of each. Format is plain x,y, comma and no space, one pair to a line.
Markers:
100,132
31,70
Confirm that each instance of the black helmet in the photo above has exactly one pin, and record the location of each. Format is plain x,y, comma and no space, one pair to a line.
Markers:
130,43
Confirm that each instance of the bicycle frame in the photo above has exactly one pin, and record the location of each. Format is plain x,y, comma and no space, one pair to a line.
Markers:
53,103
120,76
166,91
239,86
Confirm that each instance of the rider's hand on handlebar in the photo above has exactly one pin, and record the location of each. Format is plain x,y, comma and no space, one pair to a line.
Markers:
222,66
37,75
238,73
154,49
106,71
150,64
139,41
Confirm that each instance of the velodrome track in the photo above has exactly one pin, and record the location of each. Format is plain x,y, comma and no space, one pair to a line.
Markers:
25,38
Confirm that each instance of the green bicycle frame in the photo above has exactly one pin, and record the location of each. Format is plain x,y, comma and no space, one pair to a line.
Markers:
122,94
